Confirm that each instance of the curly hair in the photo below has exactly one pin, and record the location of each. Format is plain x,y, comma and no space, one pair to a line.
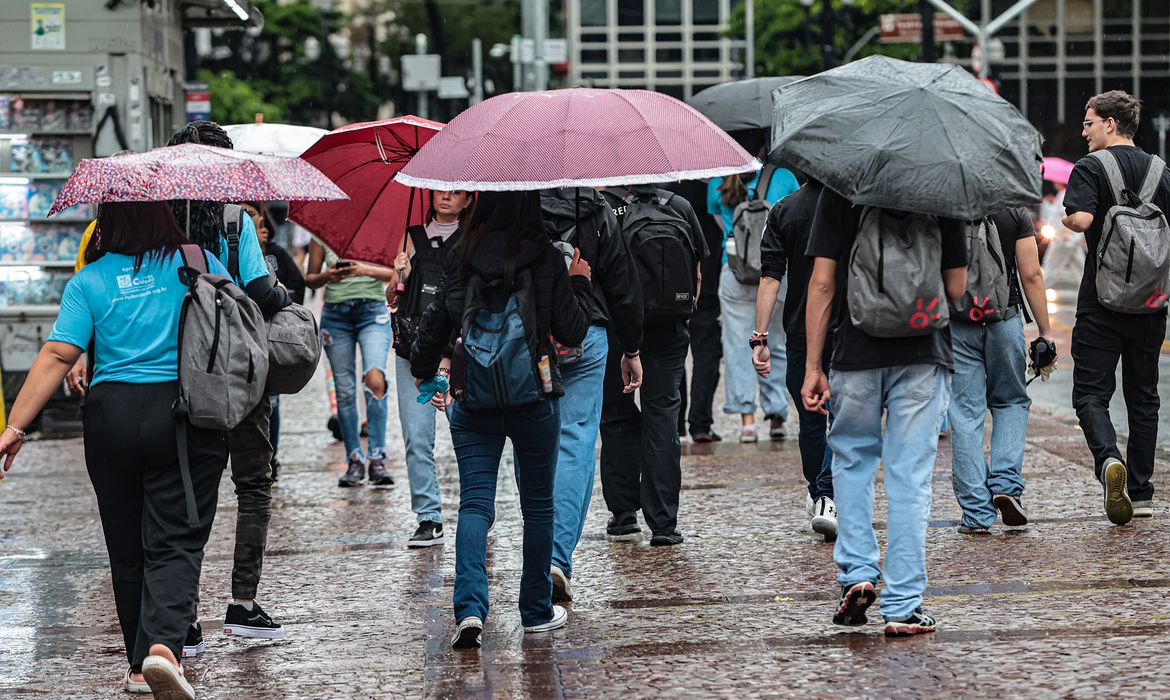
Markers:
206,217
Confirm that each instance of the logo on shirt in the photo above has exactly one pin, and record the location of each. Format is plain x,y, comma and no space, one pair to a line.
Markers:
131,282
125,281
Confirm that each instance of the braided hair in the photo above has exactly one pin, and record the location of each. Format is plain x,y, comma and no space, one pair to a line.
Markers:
206,217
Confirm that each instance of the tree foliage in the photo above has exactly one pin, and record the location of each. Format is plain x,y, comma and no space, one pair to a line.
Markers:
789,36
234,101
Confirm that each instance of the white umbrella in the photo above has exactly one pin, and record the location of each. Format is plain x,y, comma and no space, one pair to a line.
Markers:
273,139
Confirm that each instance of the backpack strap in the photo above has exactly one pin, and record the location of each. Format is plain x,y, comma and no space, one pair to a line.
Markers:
1153,179
1112,173
194,258
765,181
233,226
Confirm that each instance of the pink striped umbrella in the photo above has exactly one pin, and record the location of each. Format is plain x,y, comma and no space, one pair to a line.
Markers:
196,172
1057,170
575,138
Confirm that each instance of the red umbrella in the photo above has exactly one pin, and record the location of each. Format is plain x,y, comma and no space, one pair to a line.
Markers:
363,160
193,171
575,138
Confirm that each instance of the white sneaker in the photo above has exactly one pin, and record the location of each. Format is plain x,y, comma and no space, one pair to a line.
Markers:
809,504
468,634
562,591
135,687
166,680
748,433
824,520
559,618
1143,509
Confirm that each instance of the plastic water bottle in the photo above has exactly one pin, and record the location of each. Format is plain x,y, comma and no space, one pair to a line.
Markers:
435,385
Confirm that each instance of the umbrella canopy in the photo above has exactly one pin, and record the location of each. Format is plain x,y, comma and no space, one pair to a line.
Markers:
363,160
575,138
919,137
741,104
273,139
193,171
1057,170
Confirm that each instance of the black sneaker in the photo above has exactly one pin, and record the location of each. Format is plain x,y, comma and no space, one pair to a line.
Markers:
705,436
623,527
354,475
275,469
855,600
666,539
1010,510
776,429
255,623
194,646
918,623
428,534
379,476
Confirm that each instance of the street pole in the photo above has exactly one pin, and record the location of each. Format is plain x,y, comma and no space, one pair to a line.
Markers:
1162,124
828,35
420,48
540,37
988,29
477,70
749,51
517,67
927,13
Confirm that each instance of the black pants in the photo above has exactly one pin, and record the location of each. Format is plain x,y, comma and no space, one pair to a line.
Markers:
815,456
706,354
640,448
155,555
1099,340
252,475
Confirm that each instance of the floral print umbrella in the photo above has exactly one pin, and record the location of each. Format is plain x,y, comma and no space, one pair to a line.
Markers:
196,172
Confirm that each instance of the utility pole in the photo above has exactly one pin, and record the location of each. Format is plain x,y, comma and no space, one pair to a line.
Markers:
927,13
988,29
420,48
477,70
749,50
828,36
540,38
1162,124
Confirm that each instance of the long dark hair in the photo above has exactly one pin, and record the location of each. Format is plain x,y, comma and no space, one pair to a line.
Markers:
206,217
514,216
140,229
464,215
266,215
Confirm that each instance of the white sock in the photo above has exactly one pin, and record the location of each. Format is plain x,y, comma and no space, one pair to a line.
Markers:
247,606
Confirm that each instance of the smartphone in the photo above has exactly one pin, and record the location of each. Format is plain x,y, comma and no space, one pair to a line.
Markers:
344,263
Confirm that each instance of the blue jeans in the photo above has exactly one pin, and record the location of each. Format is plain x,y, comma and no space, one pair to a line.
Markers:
478,438
344,327
913,398
737,303
576,463
815,457
418,432
989,374
274,423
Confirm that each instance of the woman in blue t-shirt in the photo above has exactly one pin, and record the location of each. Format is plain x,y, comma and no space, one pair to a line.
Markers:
127,302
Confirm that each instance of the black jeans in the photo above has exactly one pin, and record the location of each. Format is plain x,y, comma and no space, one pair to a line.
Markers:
155,555
1099,340
815,456
706,354
640,448
252,475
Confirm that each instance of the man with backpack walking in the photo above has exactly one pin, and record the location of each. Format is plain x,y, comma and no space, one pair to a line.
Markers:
581,219
640,450
987,336
1118,196
782,251
891,274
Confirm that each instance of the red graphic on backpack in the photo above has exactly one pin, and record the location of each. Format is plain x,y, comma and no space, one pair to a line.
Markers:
979,310
1157,299
921,319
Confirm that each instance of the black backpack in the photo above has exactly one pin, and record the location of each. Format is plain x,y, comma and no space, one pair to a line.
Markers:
660,242
426,274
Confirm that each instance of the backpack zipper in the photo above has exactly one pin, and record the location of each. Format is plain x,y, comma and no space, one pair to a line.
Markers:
1129,266
215,338
881,271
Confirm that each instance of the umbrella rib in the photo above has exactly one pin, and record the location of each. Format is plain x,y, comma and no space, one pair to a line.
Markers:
962,172
661,146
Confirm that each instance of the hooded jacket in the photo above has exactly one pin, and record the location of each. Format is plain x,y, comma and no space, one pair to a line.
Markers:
562,303
617,295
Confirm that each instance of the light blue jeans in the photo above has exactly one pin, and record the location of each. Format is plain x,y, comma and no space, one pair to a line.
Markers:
989,375
737,308
576,461
345,327
913,397
418,432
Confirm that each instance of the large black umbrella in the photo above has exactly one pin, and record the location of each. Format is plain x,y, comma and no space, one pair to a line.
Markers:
739,105
919,137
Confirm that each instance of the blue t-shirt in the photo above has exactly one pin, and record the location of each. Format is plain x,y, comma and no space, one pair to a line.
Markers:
783,184
252,265
132,317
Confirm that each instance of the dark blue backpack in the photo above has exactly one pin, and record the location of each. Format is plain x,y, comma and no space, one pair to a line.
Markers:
500,348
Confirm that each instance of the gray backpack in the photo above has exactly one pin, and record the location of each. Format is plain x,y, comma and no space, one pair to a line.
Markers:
223,358
747,231
988,284
895,281
294,342
1133,258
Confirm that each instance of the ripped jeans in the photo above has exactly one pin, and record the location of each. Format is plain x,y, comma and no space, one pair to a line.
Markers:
345,326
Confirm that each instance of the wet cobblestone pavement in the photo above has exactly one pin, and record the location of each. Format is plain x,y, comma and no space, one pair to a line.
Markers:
1067,608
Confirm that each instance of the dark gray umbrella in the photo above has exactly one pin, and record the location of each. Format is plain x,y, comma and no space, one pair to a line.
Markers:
743,104
920,137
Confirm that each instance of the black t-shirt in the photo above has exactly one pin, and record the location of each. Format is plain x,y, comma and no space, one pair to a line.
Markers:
782,251
833,233
1013,225
1089,191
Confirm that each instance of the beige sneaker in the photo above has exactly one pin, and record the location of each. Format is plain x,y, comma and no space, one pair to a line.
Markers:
1118,507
